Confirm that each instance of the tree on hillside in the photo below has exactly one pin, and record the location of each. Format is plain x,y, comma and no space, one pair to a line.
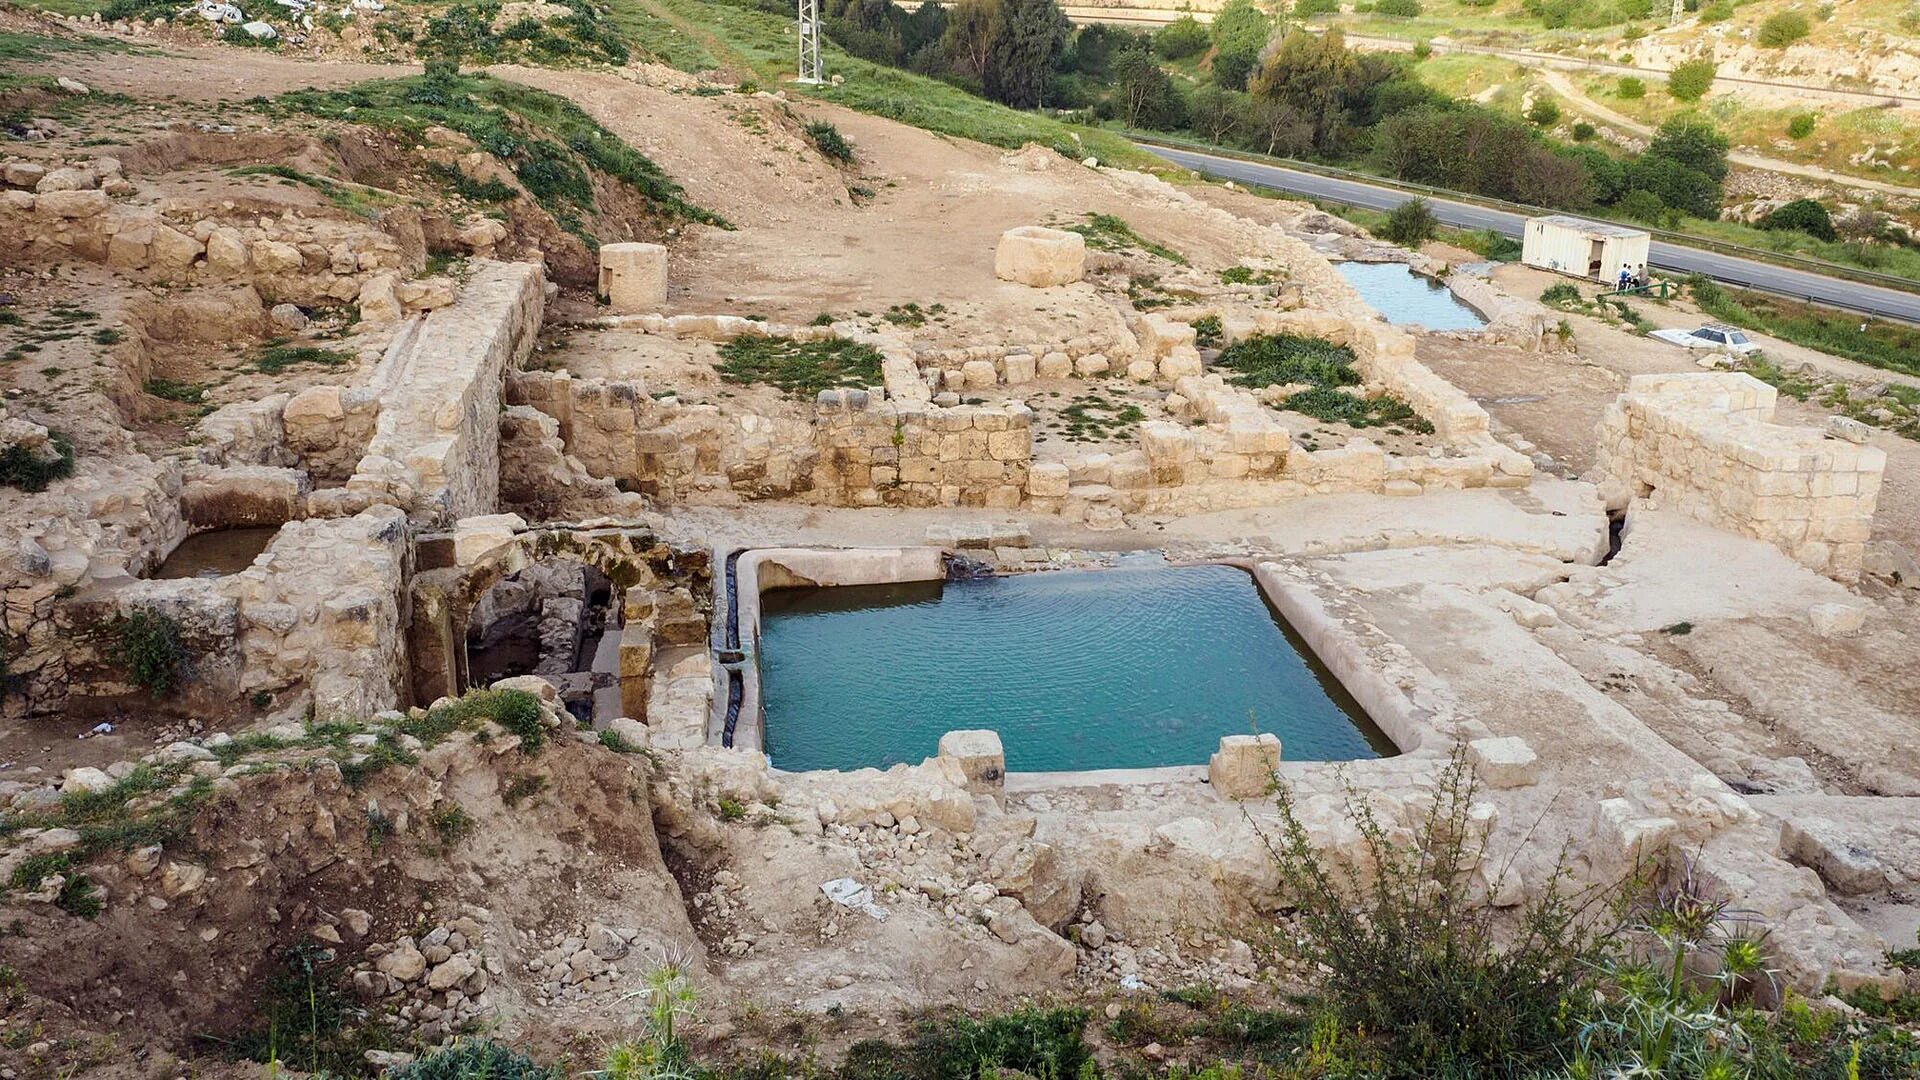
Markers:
1019,59
1689,81
971,26
1145,94
1239,32
1278,128
1181,38
1692,142
1219,115
1802,215
1311,73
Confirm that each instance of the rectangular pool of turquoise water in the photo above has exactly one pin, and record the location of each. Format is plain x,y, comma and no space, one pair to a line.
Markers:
1406,298
1140,666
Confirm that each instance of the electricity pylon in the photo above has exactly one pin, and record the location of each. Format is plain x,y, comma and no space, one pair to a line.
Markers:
811,71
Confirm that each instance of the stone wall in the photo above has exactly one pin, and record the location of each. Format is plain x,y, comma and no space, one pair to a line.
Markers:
1705,445
910,453
319,613
312,257
435,450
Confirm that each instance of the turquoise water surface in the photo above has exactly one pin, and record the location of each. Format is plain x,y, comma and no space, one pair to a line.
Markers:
1405,297
1138,666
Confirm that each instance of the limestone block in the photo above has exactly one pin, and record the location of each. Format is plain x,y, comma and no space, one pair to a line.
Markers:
476,537
1181,361
226,251
67,178
633,277
24,175
1020,369
978,375
1091,365
72,204
980,756
1624,836
1243,767
1504,763
1142,370
1054,365
274,257
1161,334
1047,480
1836,620
379,301
1040,257
1846,427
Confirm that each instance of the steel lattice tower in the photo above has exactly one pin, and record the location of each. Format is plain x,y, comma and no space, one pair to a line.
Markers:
810,70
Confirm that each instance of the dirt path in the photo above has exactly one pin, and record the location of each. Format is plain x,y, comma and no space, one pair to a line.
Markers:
1566,88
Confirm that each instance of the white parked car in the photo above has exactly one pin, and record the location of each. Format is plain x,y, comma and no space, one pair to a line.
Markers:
1715,338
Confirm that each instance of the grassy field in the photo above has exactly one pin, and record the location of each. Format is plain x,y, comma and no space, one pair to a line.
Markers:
760,45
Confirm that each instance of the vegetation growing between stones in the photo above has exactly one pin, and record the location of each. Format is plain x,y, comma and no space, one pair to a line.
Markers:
832,145
1105,232
550,144
22,468
308,1019
151,647
278,356
583,35
801,368
1291,359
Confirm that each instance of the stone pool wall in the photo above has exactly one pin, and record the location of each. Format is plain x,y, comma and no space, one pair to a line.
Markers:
1705,445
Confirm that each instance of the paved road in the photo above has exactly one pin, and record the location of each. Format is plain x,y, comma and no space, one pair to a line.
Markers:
1799,284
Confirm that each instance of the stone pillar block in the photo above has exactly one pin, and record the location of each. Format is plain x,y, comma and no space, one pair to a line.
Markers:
1504,763
1243,766
633,277
980,756
1040,257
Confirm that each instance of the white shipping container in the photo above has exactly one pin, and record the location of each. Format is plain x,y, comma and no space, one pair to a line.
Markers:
1584,249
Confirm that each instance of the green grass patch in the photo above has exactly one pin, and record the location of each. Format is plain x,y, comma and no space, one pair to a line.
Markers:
275,359
21,468
1284,359
1105,232
1091,417
355,199
174,390
550,144
758,41
801,368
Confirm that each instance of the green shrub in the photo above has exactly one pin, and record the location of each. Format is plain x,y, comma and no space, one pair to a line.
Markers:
174,390
1284,359
801,368
1039,1042
1407,956
1802,215
832,145
151,647
1308,8
1206,331
1783,28
1582,131
1334,406
612,741
1688,81
22,468
1630,88
1410,224
277,358
306,1017
1801,126
1405,9
1544,113
1560,293
1181,38
1716,12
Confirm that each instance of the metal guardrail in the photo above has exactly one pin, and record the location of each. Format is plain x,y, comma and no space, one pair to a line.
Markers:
1689,240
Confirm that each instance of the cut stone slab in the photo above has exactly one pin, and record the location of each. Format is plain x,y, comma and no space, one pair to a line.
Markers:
1244,765
1504,762
1040,257
633,277
981,757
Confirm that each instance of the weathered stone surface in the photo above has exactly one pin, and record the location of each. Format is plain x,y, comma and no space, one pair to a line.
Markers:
633,277
1243,767
1504,762
980,756
1040,257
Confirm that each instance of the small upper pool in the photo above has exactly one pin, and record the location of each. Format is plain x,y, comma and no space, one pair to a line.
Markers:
216,553
1139,666
1405,298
